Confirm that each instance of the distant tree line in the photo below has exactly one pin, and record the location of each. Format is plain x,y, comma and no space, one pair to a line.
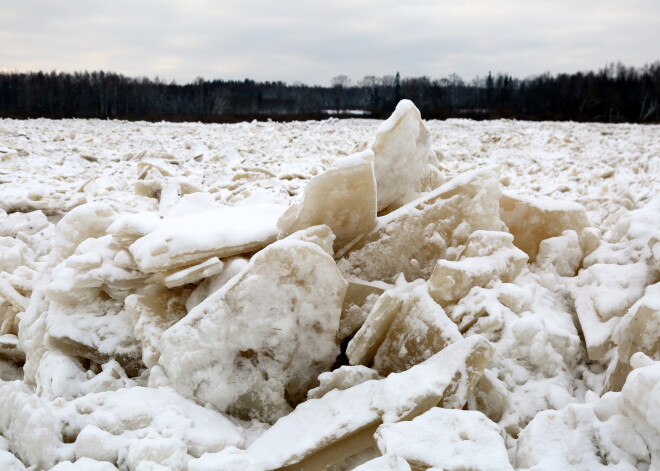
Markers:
615,93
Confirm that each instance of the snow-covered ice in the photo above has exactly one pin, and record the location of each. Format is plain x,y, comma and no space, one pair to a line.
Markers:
335,295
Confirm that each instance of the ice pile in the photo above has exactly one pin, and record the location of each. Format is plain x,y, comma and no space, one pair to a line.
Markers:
392,317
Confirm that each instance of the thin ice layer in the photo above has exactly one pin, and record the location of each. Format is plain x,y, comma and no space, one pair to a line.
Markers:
190,239
257,345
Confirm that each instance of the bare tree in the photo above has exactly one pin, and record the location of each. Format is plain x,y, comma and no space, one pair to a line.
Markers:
340,83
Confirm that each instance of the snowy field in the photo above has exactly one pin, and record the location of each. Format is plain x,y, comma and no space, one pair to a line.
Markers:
342,294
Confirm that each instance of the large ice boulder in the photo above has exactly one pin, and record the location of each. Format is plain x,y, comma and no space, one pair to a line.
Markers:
402,147
256,346
343,198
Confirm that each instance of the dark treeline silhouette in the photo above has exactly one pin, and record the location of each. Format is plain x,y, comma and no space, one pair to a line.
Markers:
615,93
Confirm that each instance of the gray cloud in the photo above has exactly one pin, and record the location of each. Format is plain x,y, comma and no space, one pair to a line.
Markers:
312,41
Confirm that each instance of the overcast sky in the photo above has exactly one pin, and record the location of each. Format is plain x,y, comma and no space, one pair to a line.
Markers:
312,41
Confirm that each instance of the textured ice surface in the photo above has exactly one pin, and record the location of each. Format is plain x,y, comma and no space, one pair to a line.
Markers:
447,439
405,327
343,198
414,237
358,302
532,220
603,293
488,256
638,331
402,147
255,346
617,431
190,239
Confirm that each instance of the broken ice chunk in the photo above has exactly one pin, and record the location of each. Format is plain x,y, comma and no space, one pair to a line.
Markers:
419,330
115,423
256,346
13,297
488,256
232,266
575,437
451,440
13,254
638,331
342,378
589,240
60,375
27,223
364,345
532,220
641,398
320,235
98,331
602,294
81,223
563,252
8,319
490,396
413,238
358,302
187,240
26,421
343,198
466,359
191,274
323,432
402,147
128,228
95,266
152,312
404,328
